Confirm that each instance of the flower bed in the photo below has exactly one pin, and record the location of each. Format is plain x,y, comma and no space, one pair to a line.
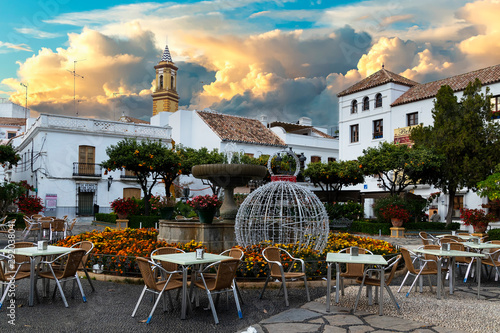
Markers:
116,250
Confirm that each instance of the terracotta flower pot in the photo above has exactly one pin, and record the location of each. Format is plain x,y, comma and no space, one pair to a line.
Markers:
121,216
479,229
396,222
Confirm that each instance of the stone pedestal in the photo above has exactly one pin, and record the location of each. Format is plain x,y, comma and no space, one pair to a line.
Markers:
397,232
216,237
121,224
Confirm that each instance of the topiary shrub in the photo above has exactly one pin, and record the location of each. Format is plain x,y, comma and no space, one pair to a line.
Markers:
147,221
371,228
109,218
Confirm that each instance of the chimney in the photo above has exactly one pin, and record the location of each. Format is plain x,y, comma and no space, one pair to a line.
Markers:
305,121
263,119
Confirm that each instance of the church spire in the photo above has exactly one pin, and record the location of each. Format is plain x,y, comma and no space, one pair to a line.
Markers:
166,55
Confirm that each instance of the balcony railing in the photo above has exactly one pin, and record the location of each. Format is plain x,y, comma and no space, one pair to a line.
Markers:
87,169
126,174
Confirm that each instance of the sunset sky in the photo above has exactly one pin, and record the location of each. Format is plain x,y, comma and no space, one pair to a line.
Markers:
283,58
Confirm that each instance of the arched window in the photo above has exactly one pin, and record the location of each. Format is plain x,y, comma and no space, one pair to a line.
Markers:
354,106
161,82
366,104
378,100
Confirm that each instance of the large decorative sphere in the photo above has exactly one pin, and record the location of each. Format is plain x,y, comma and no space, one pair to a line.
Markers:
282,212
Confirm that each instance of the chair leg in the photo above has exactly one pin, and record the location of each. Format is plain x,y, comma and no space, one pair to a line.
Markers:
413,284
307,289
404,280
236,299
283,284
212,306
430,283
342,286
154,307
80,286
5,292
139,301
265,285
62,292
468,271
88,278
239,294
359,294
393,298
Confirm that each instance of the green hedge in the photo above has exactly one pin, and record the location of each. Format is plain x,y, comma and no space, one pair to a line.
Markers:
431,226
109,218
19,220
147,221
371,228
494,234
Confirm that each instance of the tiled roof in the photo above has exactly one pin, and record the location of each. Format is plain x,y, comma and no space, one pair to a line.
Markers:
291,127
166,55
127,119
240,129
379,78
12,121
457,83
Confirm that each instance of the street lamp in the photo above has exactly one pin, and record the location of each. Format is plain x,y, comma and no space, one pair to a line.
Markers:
26,103
110,181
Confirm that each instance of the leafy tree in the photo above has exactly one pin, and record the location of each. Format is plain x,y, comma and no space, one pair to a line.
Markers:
399,166
8,155
465,137
332,176
9,193
144,159
192,157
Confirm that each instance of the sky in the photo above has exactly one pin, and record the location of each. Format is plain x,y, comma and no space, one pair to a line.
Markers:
283,58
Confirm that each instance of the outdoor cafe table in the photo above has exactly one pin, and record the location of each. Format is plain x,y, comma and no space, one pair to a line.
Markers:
347,258
464,237
452,254
34,253
186,260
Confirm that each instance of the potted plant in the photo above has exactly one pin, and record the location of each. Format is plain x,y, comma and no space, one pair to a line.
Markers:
396,213
163,205
477,218
205,206
124,207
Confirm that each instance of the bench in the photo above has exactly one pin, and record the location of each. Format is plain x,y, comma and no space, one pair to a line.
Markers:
341,223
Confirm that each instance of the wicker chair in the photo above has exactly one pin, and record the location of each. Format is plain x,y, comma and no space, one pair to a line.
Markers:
31,227
68,272
88,247
369,280
8,278
148,269
428,268
223,283
5,226
69,227
167,266
57,229
273,257
353,271
427,238
462,261
493,259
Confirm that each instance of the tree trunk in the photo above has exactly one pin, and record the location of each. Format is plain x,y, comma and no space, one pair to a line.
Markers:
451,200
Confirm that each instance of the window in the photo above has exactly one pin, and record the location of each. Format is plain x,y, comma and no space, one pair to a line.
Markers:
130,192
458,203
172,83
366,104
378,129
378,100
315,159
354,106
331,159
86,160
411,119
11,135
495,107
249,154
161,82
355,133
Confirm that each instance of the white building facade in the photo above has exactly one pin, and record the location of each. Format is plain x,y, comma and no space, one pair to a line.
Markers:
384,107
61,156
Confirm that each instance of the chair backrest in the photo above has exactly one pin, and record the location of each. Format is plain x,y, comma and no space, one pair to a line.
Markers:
408,261
463,234
20,258
431,265
272,254
4,262
447,240
73,262
233,253
58,225
355,269
394,263
424,237
36,216
71,224
226,273
88,246
145,266
167,250
458,247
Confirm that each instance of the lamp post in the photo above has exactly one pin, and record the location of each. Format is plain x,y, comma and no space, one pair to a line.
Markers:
110,181
26,103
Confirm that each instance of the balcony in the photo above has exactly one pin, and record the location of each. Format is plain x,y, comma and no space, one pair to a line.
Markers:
87,170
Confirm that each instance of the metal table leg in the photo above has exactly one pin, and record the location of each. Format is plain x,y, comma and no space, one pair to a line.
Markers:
32,280
337,282
439,280
328,286
184,292
478,272
382,284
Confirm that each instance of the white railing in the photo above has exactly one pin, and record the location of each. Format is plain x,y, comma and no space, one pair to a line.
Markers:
100,126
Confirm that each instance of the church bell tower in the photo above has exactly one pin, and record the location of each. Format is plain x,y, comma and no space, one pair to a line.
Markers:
165,97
